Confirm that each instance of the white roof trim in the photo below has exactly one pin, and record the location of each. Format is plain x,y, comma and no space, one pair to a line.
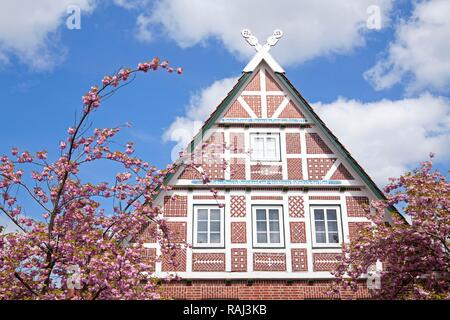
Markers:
267,57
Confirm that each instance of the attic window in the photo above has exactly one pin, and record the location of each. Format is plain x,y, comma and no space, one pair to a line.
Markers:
265,146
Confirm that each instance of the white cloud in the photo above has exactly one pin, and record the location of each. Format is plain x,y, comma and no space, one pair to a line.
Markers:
420,51
390,137
28,30
130,4
311,28
202,103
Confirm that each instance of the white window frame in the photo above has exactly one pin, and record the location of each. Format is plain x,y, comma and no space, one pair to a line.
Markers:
280,222
220,244
339,226
265,135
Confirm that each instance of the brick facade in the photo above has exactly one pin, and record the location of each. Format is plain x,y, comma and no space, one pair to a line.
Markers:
356,206
258,290
298,233
238,232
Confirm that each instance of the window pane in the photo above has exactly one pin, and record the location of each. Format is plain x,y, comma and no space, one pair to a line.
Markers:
271,148
215,226
202,214
318,214
215,214
273,214
260,214
202,226
202,237
320,237
331,214
261,226
274,226
274,237
214,237
261,237
320,225
332,226
333,237
258,148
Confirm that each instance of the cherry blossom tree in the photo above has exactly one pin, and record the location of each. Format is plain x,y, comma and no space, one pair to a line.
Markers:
87,244
415,257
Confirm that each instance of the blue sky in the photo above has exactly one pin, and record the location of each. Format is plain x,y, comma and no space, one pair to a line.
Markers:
389,118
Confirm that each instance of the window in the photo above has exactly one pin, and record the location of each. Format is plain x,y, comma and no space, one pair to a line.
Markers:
265,146
268,226
326,226
208,226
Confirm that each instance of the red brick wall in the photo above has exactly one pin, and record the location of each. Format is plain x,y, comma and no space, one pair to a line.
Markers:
177,231
325,261
237,206
298,234
342,173
273,102
318,167
265,172
258,290
271,85
236,111
239,260
238,232
237,169
205,262
356,205
294,169
315,144
176,206
265,261
254,84
290,112
237,142
254,102
293,143
296,207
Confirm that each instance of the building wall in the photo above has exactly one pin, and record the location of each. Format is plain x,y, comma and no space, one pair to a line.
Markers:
310,172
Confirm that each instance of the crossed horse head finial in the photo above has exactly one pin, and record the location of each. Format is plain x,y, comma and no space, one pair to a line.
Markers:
253,41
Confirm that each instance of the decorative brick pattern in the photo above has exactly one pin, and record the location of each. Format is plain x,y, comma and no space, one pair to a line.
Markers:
325,198
265,172
325,261
254,84
293,143
315,144
271,85
215,170
208,262
273,102
236,111
354,227
237,207
356,206
342,173
254,102
179,259
291,112
298,233
177,231
149,256
294,169
237,144
260,290
296,207
176,207
299,260
238,260
276,198
190,174
237,169
207,197
264,261
213,148
318,167
238,232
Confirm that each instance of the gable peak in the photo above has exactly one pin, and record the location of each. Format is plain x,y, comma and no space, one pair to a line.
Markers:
262,51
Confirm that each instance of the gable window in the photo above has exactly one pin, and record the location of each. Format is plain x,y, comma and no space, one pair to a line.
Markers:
268,226
265,146
208,226
326,226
